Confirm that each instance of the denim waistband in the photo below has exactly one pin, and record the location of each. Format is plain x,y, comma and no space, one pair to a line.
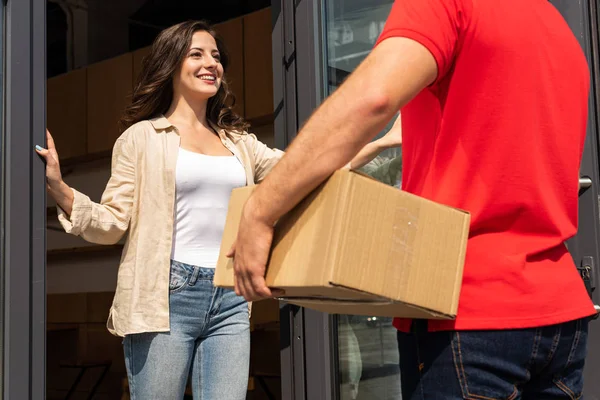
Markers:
197,272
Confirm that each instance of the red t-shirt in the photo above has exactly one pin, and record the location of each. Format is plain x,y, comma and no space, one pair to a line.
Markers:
500,134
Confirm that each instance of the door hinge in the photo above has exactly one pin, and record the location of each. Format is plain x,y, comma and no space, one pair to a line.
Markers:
587,272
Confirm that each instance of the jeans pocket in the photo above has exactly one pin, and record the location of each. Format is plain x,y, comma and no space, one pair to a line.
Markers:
179,277
570,380
484,366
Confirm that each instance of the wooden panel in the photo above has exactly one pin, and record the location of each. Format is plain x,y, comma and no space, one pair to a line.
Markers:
109,87
264,312
61,347
78,308
63,308
98,306
258,67
101,345
265,353
265,134
138,56
83,252
272,383
232,32
66,118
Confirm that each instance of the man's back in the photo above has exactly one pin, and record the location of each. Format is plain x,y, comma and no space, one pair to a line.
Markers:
500,134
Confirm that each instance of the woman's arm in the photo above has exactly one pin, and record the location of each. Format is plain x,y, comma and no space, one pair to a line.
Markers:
393,138
105,222
266,157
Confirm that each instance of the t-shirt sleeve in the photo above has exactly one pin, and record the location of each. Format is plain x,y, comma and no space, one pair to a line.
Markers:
436,24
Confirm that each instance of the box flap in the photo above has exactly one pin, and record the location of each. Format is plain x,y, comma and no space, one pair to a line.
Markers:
329,292
378,309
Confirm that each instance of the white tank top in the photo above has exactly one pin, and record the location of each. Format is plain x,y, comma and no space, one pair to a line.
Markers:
203,187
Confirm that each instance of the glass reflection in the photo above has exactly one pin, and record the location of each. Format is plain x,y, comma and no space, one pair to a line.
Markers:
367,348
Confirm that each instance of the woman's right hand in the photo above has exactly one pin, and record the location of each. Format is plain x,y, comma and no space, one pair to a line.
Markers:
57,188
53,174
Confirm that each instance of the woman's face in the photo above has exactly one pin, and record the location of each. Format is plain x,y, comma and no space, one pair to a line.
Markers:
201,71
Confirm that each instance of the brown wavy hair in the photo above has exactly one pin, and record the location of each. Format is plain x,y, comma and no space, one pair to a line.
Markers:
153,92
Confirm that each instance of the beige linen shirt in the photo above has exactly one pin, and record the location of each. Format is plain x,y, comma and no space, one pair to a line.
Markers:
139,200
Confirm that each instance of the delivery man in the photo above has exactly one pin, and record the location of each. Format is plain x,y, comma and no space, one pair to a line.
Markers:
494,108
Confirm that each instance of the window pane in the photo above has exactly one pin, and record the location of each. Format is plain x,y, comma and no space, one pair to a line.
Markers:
367,347
352,27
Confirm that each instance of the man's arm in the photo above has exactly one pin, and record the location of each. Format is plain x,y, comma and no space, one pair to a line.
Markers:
393,138
395,71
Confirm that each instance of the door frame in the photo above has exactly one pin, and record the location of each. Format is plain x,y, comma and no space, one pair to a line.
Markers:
308,338
582,17
24,200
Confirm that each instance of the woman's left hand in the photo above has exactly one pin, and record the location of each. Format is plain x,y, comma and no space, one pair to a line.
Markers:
393,138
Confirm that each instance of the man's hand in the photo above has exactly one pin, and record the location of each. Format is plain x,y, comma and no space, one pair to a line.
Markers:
250,254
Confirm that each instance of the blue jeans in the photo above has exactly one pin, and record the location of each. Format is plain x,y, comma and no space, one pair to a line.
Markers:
529,364
209,338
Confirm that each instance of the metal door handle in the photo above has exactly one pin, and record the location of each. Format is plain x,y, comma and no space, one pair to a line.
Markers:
584,183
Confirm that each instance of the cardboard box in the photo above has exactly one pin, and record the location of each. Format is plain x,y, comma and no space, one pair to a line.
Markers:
357,246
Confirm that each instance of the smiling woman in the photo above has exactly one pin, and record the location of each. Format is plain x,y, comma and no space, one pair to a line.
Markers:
182,151
179,48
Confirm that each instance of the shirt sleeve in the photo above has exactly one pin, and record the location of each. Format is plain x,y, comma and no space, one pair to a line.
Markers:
265,158
106,222
435,24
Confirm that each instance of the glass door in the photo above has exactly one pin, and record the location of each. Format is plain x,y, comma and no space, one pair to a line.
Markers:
330,356
351,29
366,351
